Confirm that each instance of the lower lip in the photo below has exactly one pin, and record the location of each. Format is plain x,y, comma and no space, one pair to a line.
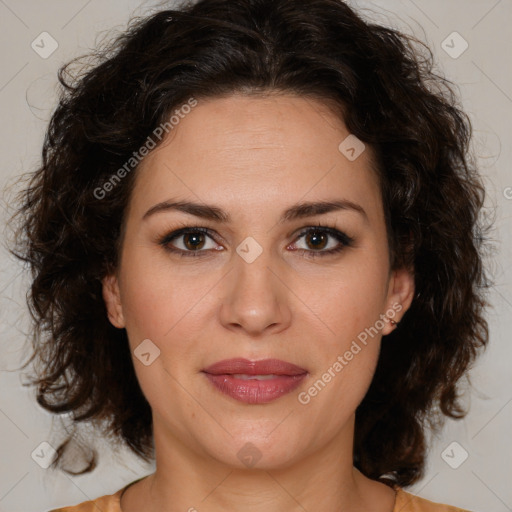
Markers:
255,391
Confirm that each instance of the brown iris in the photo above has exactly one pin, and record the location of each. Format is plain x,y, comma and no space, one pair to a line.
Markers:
315,236
195,239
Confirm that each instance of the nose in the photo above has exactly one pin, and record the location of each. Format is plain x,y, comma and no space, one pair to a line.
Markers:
255,299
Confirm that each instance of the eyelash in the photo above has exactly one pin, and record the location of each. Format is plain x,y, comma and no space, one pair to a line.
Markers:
343,239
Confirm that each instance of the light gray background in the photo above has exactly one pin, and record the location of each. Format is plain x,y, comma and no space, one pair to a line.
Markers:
27,95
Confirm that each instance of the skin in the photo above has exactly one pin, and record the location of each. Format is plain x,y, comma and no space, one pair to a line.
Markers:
255,156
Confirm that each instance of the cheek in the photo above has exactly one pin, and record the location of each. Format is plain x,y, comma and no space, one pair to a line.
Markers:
164,307
350,301
173,309
345,359
348,307
156,298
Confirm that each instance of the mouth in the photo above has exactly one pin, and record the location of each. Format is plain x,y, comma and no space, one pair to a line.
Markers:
255,382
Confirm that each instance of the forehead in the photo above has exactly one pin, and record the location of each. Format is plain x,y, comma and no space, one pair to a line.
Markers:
256,151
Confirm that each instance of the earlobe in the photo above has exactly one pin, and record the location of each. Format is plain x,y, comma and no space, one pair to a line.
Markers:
112,298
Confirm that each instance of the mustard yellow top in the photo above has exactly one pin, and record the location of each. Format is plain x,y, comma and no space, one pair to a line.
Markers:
405,502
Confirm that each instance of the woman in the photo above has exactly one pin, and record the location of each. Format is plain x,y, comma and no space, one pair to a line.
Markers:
257,258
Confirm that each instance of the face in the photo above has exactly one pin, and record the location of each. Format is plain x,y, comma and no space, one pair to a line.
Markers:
260,280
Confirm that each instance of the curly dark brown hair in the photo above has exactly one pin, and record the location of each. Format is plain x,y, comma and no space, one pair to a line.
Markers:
390,97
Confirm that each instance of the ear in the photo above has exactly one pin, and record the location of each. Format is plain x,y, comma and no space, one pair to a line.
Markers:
400,295
112,299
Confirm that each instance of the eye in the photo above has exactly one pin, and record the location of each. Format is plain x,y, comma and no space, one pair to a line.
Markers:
188,241
317,241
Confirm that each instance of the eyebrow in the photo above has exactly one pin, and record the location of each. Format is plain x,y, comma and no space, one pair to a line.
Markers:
297,211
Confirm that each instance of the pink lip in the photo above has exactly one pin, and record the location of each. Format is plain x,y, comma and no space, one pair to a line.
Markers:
287,377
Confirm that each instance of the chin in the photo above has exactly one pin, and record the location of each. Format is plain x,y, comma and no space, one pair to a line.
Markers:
258,451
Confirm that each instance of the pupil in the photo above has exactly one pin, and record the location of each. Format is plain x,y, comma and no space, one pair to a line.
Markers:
194,236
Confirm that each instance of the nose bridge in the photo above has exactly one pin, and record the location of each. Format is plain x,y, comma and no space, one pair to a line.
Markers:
255,299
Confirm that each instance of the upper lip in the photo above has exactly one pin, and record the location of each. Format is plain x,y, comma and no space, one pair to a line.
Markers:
261,367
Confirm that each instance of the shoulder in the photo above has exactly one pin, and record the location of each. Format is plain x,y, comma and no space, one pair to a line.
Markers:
407,502
110,503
